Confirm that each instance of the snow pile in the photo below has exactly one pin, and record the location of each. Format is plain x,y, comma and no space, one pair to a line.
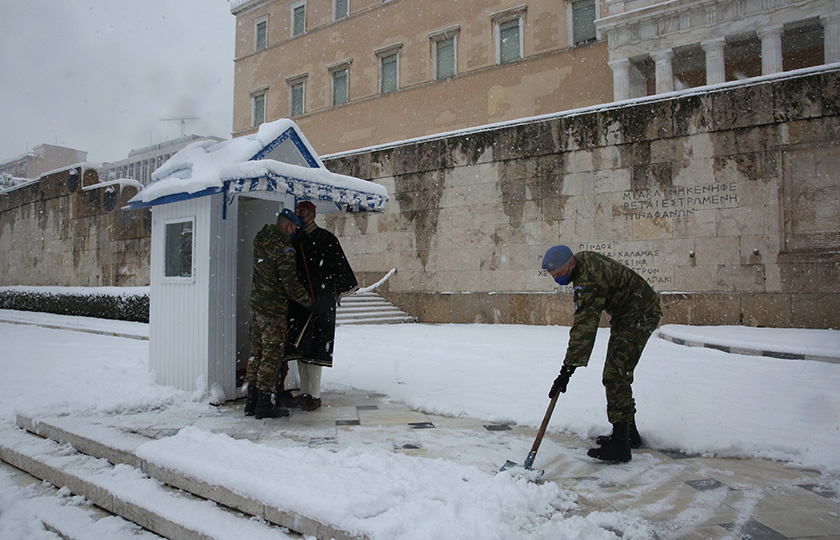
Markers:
382,494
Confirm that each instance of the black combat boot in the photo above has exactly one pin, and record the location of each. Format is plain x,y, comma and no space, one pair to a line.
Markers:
251,402
617,450
309,403
266,409
285,399
635,438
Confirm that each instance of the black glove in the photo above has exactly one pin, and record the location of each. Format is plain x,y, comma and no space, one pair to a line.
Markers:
562,381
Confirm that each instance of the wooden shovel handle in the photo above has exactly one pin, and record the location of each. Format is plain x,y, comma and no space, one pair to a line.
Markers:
544,425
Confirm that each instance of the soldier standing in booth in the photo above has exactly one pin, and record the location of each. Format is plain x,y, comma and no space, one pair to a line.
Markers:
274,289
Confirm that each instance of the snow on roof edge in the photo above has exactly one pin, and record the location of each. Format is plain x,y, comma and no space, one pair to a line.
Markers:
303,182
274,176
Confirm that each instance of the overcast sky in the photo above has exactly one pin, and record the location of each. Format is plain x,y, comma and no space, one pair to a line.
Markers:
98,75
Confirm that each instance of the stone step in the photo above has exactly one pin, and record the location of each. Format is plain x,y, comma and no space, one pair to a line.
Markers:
127,492
374,315
378,311
377,320
369,308
67,517
379,306
362,296
167,502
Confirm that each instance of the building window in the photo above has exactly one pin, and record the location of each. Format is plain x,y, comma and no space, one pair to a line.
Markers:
508,26
297,95
582,15
389,68
341,9
390,73
445,58
297,99
509,36
339,73
178,247
339,79
298,18
261,33
444,50
258,106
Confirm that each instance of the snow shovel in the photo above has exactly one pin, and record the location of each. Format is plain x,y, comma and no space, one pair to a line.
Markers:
533,453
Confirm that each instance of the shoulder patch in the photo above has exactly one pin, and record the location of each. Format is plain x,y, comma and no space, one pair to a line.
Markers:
577,290
289,250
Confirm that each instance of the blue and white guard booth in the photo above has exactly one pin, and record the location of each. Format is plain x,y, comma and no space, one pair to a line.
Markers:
208,201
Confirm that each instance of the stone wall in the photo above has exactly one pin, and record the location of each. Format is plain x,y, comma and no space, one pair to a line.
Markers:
54,232
727,201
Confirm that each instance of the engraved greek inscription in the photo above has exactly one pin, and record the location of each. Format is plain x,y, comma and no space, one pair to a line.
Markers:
678,202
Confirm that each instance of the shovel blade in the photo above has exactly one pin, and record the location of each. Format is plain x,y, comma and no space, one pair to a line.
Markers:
509,464
532,475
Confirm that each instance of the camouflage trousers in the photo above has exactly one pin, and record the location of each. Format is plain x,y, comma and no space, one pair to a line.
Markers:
627,341
265,361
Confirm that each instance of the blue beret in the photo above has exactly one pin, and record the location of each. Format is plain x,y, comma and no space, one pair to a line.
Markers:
556,257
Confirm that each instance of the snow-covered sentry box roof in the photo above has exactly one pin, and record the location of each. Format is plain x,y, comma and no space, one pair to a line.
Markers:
277,159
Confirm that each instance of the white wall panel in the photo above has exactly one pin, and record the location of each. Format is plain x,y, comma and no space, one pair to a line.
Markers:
178,308
222,299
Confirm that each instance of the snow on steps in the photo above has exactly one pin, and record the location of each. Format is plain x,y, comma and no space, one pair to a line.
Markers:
70,517
168,503
369,308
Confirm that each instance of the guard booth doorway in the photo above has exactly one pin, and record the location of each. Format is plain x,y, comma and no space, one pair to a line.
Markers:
253,212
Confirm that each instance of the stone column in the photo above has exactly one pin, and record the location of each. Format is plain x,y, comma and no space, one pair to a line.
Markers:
771,49
621,79
664,70
715,65
831,32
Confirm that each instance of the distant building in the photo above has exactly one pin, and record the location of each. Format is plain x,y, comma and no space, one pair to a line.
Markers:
366,72
657,46
141,163
360,73
41,159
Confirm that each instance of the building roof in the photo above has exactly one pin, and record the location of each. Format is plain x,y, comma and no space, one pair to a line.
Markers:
277,159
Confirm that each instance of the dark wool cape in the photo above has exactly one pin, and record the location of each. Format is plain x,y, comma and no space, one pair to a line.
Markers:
326,274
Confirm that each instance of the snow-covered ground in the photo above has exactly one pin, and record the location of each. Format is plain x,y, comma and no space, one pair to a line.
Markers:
692,399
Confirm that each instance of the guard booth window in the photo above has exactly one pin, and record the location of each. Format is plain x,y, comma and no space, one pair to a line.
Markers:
178,259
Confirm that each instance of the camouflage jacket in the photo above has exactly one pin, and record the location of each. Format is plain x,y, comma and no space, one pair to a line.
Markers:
275,282
602,284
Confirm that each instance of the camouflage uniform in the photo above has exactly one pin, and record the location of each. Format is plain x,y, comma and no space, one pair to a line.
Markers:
602,284
274,285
